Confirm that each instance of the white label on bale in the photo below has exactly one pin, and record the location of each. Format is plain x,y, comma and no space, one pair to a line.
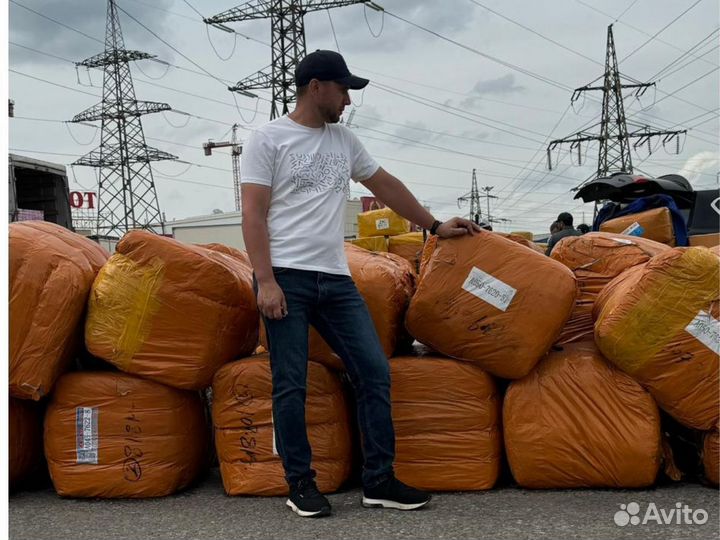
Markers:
490,289
624,241
86,435
706,329
634,230
382,224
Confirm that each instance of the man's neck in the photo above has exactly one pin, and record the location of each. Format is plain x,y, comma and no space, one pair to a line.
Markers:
307,118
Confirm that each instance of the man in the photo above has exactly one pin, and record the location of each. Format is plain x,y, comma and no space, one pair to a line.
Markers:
295,180
564,227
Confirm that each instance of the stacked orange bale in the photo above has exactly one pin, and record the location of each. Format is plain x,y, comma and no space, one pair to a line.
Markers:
25,446
489,300
371,243
386,282
576,421
658,322
447,424
171,312
711,456
112,435
595,259
51,272
522,240
245,438
655,224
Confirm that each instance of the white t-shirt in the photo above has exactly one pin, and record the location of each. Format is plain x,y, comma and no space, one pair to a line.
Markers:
309,171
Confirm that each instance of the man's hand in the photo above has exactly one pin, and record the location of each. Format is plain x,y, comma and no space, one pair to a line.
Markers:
457,226
271,300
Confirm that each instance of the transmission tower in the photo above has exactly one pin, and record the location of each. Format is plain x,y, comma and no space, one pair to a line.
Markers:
127,198
235,153
486,195
474,197
288,43
614,154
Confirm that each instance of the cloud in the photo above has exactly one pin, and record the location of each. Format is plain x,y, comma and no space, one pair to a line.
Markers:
699,163
502,85
87,16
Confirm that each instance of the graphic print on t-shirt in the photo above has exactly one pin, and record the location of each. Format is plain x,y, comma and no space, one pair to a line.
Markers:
320,172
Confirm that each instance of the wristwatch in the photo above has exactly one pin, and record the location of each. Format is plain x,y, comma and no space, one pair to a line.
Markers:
434,227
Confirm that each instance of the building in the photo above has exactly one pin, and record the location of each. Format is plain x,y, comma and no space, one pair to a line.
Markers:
226,227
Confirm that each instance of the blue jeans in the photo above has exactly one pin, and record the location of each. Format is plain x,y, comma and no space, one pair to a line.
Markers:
332,304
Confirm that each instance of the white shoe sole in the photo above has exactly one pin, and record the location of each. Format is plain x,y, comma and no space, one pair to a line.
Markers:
305,513
383,503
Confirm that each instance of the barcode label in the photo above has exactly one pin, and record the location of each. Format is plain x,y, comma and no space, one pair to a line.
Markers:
490,289
634,230
86,435
706,329
382,224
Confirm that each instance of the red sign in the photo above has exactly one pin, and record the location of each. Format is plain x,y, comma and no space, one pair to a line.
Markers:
82,199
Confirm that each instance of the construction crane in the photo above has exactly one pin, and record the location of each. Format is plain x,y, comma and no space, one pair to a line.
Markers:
235,153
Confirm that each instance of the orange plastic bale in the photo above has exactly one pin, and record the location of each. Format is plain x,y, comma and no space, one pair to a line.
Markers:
595,259
447,424
492,301
237,254
51,272
657,225
25,444
171,312
659,323
387,282
244,434
576,421
408,246
711,456
522,240
113,435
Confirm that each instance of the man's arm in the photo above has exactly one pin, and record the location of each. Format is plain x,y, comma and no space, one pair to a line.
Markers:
255,204
393,193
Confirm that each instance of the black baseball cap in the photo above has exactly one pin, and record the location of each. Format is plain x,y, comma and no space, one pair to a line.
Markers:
327,66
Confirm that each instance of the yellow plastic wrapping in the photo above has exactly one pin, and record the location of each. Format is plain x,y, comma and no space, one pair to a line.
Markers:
659,323
382,222
113,435
408,246
51,272
576,421
527,235
489,300
447,424
595,259
242,416
371,243
171,312
657,225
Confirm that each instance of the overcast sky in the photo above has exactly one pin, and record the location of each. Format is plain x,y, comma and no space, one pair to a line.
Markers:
435,110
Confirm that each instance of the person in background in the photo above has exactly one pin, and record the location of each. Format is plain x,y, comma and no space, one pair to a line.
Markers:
583,228
564,227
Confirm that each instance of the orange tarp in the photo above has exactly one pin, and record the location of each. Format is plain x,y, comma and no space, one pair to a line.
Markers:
576,421
659,323
51,272
492,301
595,259
113,435
244,434
25,444
171,312
447,424
657,225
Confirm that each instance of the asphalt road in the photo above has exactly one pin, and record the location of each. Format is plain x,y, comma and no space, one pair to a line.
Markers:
506,513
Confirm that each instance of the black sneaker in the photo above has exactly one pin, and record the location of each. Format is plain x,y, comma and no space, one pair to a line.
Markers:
306,501
392,493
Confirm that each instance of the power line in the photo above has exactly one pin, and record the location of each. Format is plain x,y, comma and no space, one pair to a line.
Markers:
57,22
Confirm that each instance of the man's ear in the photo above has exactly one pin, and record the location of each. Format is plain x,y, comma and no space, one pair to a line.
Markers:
314,87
